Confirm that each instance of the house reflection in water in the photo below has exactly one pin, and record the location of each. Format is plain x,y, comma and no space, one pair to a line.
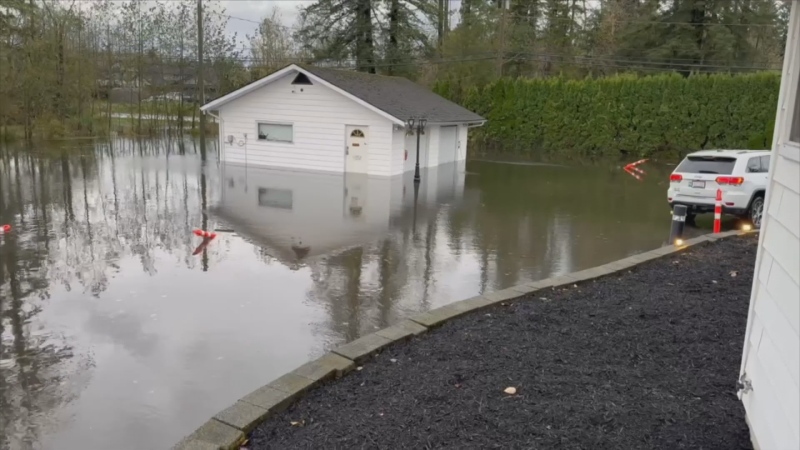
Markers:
298,215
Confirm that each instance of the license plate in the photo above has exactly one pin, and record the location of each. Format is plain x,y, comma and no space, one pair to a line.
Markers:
698,184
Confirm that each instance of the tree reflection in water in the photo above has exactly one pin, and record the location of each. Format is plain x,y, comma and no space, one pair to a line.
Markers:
85,215
75,212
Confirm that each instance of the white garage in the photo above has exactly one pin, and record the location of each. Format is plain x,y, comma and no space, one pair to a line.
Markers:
319,119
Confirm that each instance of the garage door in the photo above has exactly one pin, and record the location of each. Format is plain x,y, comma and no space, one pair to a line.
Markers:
447,144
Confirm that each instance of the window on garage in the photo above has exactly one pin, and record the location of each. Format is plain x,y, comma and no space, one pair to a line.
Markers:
276,132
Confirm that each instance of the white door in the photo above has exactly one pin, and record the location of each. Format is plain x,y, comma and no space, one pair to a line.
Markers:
356,151
448,136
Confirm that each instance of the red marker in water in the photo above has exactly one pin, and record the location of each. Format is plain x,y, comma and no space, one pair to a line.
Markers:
5,229
205,234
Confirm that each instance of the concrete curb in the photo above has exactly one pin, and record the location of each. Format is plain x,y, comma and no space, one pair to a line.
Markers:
228,428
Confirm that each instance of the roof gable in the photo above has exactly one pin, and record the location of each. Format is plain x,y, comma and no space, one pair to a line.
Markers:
395,98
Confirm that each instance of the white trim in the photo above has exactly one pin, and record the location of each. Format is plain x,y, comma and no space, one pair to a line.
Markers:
270,122
279,74
215,104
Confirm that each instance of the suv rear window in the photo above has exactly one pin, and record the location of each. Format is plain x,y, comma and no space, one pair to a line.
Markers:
722,165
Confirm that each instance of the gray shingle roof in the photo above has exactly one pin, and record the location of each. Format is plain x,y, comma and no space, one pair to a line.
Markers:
399,97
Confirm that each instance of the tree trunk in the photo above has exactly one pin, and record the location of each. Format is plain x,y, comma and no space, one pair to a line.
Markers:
394,28
365,47
59,100
441,19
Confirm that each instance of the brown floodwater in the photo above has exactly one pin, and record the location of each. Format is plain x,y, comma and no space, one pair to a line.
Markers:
120,331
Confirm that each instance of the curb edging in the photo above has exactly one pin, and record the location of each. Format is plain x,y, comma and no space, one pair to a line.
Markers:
228,429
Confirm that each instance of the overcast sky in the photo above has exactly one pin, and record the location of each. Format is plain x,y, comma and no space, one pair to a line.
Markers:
255,10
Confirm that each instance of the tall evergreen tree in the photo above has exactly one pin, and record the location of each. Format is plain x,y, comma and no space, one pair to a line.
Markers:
335,30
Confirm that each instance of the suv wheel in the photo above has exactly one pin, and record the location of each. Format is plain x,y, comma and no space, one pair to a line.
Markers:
757,211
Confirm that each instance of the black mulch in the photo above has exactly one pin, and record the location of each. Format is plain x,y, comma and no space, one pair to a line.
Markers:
648,359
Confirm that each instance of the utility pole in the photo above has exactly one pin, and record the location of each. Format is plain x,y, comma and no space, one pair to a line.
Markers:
201,86
502,52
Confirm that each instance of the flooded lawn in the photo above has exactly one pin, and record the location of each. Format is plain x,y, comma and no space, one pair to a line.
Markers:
115,335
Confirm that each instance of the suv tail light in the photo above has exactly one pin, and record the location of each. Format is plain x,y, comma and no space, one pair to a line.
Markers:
675,178
733,181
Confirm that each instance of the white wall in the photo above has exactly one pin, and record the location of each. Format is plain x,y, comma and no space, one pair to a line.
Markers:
319,116
429,147
463,135
411,146
771,358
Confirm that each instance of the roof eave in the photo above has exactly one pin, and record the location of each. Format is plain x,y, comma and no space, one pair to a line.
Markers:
214,105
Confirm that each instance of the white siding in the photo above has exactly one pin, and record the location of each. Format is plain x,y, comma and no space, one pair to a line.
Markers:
319,116
463,134
771,359
398,151
433,146
429,146
411,146
448,144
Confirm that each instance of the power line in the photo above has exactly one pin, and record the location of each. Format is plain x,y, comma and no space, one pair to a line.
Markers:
648,22
544,57
569,19
511,58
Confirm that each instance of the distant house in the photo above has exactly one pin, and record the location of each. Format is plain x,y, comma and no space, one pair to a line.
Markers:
126,83
770,371
314,118
182,80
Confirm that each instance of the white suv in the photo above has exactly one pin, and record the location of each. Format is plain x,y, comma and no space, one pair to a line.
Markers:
740,174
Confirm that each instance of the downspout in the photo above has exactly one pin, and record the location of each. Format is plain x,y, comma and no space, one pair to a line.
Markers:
470,126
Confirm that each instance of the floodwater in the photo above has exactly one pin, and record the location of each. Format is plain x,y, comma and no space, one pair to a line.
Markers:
115,334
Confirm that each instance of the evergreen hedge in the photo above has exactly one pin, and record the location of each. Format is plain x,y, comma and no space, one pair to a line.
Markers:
621,115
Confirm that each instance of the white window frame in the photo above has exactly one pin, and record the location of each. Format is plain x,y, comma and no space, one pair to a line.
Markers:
269,122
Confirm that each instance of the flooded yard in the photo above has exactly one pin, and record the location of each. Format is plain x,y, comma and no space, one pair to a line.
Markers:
115,335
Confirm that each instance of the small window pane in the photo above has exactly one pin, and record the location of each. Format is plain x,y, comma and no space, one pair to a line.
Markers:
275,132
765,163
754,164
721,165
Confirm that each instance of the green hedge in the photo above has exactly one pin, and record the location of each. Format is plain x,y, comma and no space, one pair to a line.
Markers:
621,115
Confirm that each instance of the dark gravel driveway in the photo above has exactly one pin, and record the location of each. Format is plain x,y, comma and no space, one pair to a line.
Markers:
647,359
